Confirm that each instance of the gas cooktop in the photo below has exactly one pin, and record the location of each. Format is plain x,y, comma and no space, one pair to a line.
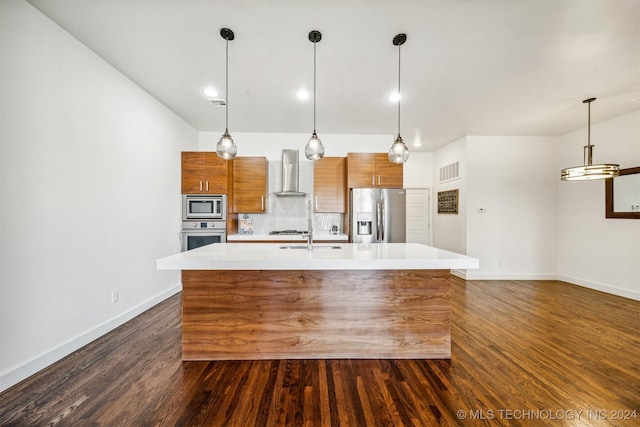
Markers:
288,232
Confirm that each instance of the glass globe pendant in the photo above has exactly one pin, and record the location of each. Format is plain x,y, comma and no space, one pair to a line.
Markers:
314,150
399,153
226,148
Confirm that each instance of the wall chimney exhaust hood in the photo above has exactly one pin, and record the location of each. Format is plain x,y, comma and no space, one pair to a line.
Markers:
290,175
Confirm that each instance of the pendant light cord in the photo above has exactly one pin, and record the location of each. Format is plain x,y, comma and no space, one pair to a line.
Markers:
399,96
226,120
314,87
589,125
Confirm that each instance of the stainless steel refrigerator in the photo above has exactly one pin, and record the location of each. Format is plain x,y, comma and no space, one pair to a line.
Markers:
377,215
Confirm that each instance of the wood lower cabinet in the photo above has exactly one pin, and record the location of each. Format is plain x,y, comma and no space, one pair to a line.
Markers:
204,173
373,170
329,185
249,185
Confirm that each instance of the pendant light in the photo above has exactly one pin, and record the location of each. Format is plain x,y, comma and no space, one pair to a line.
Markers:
314,150
399,153
589,170
226,148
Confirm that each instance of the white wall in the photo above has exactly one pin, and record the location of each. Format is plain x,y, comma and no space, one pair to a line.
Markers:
418,170
594,251
514,179
450,230
90,194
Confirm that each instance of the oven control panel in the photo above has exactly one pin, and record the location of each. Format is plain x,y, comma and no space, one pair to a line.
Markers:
203,225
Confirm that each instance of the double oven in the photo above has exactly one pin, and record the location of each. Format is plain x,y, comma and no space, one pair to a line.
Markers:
204,220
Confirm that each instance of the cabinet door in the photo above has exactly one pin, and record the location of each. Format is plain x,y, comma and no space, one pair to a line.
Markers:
216,176
193,171
361,170
329,175
388,175
249,184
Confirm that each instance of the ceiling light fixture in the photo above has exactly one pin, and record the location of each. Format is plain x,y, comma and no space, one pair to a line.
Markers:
314,150
589,170
399,153
302,94
226,148
210,92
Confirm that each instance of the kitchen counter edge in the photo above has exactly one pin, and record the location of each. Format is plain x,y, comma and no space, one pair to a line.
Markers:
350,256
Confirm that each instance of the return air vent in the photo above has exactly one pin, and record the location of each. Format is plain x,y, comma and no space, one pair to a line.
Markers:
450,172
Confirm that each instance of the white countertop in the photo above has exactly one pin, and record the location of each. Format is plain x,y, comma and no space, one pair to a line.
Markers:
350,256
284,237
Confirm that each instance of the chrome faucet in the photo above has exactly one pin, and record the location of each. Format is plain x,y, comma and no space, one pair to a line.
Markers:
310,234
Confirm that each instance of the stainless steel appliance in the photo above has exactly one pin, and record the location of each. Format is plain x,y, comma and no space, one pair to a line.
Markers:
288,232
290,175
201,233
208,207
377,215
203,220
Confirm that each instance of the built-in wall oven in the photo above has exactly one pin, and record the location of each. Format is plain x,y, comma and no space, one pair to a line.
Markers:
201,233
203,220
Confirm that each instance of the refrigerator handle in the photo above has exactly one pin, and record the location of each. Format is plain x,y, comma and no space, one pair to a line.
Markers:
382,219
378,214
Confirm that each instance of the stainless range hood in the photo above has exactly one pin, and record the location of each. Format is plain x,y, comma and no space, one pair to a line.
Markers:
290,175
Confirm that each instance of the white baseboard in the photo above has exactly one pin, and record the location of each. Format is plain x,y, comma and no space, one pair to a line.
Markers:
626,293
460,273
510,276
24,370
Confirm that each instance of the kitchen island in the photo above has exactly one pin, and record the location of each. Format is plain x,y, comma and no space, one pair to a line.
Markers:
244,301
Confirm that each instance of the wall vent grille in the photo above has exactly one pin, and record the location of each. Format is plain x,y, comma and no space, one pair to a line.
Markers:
450,172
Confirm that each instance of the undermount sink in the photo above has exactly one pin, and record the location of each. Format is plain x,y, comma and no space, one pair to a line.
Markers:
313,248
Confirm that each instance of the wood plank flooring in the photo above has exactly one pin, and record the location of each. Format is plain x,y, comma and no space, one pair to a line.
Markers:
523,353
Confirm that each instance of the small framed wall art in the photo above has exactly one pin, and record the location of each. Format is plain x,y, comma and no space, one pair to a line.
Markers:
448,202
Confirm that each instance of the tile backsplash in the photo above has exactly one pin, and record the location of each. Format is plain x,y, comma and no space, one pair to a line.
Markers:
291,213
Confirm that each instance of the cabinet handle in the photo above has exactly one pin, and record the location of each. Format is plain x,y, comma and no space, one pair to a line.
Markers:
262,202
373,184
208,185
378,180
316,203
201,186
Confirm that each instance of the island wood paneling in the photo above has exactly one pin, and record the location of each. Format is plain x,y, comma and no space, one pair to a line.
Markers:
247,315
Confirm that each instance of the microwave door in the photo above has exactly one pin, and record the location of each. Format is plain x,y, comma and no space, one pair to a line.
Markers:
201,207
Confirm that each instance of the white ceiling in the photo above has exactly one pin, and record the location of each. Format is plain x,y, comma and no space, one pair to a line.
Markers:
469,67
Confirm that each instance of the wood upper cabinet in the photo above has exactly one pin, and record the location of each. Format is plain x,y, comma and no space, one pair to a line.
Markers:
249,184
204,173
369,170
329,184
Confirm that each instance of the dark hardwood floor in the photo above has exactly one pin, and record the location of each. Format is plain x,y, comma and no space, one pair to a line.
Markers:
523,353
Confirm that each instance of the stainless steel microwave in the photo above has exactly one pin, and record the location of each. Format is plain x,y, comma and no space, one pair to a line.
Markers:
199,206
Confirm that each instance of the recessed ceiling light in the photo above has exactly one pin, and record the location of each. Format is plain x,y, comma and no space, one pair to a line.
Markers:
302,94
210,92
395,97
417,144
